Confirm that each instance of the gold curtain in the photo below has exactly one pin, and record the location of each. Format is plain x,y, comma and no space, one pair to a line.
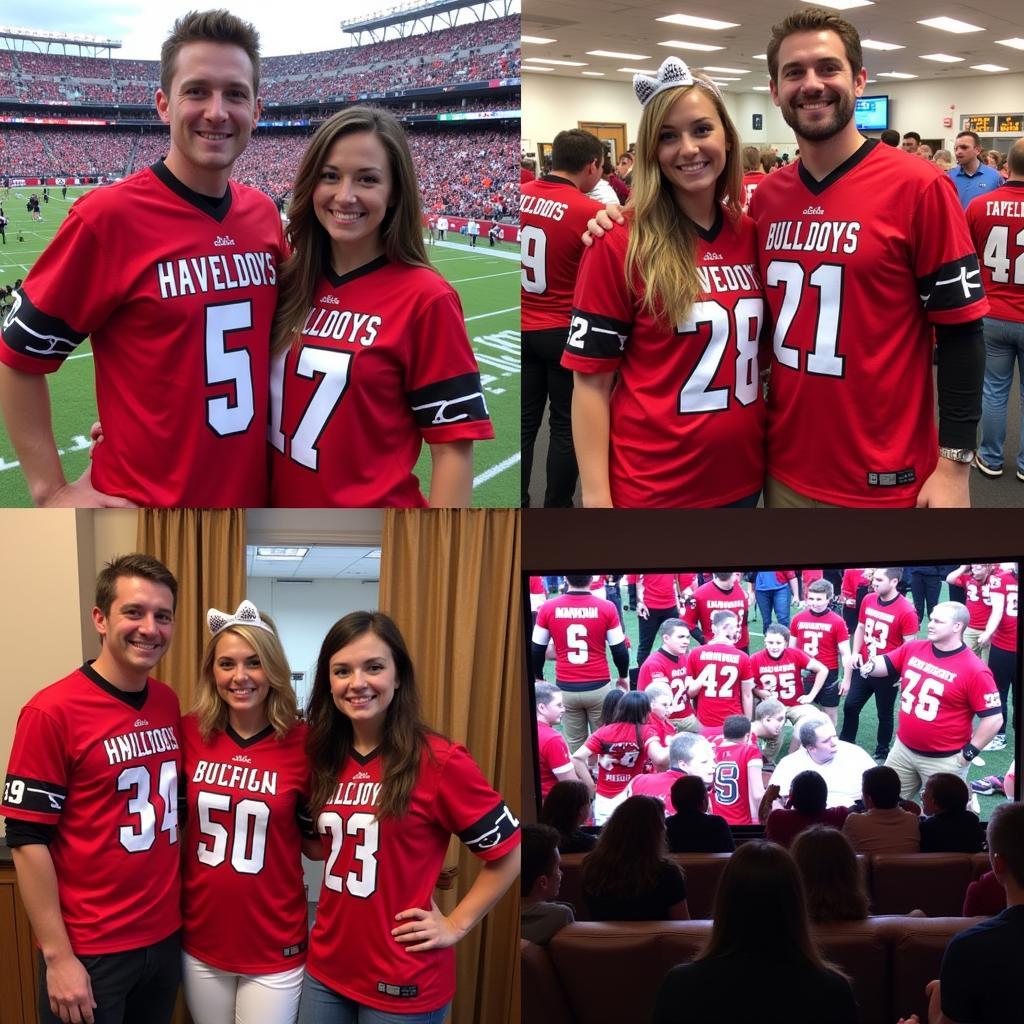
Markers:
205,549
450,579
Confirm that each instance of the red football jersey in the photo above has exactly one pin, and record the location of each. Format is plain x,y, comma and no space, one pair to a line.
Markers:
242,831
663,729
940,693
750,182
687,413
732,783
857,270
781,677
658,785
102,766
553,753
663,667
721,670
659,589
538,592
996,220
178,297
710,598
1005,636
581,626
886,623
819,635
378,867
854,580
382,364
553,215
620,758
979,596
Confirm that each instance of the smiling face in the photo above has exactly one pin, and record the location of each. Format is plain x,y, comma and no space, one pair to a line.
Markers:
363,682
238,674
136,632
817,602
775,644
692,145
352,196
212,110
816,88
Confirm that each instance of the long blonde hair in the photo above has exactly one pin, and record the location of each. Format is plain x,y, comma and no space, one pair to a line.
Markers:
401,230
662,239
282,708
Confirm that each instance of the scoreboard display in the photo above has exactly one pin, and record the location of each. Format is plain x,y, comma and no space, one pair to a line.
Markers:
982,124
1010,123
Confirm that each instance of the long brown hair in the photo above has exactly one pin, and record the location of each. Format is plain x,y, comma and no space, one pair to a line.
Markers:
630,851
329,740
761,883
401,231
833,884
282,711
662,239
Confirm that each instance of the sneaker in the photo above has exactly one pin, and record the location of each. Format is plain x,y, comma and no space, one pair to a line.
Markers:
986,469
989,785
996,743
1020,475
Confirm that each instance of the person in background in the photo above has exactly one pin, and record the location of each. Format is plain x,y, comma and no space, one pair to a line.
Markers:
692,829
833,881
947,826
541,916
566,809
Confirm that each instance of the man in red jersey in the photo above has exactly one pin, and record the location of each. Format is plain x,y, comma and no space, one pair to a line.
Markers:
1002,656
581,626
739,784
983,591
173,274
553,214
887,620
778,675
92,813
943,686
723,592
688,754
753,173
995,221
718,675
822,634
657,599
668,665
865,255
553,756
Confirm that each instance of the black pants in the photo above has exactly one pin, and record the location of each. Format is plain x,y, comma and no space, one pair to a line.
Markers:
136,987
545,382
649,631
925,591
1004,669
885,690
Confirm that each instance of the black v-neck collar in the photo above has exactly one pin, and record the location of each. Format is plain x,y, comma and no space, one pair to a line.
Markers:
716,228
241,741
133,698
337,280
363,759
213,207
816,187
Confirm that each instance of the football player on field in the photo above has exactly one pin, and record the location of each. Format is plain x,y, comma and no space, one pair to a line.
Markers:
672,307
91,801
174,278
849,233
723,592
668,665
738,785
553,212
719,675
943,686
983,595
1002,656
822,634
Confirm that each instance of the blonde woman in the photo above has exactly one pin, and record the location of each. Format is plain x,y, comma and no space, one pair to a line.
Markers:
372,356
247,780
672,306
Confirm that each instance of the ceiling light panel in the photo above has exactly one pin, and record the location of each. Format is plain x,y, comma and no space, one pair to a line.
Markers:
691,22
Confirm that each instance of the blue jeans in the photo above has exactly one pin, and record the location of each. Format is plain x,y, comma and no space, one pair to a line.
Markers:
322,1005
778,601
1004,345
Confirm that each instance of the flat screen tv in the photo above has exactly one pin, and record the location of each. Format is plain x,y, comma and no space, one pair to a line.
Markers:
871,113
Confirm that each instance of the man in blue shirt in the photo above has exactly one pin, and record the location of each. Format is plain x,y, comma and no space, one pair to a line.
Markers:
971,176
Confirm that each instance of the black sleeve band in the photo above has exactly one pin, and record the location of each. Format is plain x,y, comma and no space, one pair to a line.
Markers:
31,332
620,655
491,830
538,654
305,821
960,358
455,400
29,833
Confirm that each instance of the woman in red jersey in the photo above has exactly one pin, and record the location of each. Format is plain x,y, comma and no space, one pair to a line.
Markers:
387,795
372,356
247,780
672,307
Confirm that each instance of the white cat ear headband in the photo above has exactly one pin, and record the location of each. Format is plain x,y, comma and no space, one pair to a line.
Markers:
672,74
246,614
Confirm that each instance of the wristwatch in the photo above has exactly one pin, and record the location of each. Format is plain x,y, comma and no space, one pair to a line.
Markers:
964,455
970,752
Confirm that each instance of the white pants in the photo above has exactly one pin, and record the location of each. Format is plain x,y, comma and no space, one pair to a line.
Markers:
603,807
224,997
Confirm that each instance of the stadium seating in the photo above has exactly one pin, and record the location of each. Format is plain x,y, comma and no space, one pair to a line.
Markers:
933,882
610,972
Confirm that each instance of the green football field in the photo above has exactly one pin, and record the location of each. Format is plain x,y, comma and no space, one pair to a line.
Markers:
995,762
487,281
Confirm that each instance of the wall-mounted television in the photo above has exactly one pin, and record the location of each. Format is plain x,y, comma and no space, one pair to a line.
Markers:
871,113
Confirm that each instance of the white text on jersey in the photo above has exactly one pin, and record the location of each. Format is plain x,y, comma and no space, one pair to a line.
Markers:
817,236
215,273
233,776
132,745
